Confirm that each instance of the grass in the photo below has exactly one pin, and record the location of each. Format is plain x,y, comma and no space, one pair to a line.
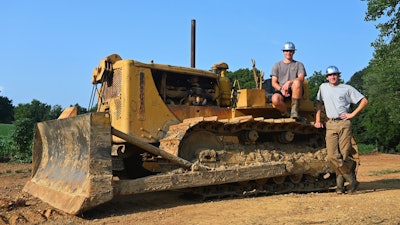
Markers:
364,149
8,171
18,171
6,129
29,170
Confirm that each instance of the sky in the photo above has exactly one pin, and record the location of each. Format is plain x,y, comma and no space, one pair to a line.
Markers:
48,49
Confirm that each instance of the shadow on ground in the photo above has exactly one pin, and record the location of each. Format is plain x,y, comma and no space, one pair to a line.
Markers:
125,205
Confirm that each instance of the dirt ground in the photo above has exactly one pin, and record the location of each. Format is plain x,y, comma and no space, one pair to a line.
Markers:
376,202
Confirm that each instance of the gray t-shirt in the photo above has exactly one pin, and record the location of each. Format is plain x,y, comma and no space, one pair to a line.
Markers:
287,71
337,99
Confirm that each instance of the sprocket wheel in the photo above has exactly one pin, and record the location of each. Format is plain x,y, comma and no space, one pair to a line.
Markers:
197,141
296,178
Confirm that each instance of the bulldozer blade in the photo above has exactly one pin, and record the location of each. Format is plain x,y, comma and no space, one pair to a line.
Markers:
71,162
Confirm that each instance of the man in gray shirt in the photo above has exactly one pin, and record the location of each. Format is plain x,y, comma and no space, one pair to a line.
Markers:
337,99
287,77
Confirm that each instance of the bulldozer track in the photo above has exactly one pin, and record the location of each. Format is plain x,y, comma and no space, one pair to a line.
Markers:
247,152
177,133
263,187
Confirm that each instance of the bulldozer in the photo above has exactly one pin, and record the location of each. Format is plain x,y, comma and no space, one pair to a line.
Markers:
161,127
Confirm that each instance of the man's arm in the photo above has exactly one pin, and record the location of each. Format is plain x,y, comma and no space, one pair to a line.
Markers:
275,83
318,123
301,77
361,106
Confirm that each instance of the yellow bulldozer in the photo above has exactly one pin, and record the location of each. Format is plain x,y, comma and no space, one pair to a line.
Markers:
161,127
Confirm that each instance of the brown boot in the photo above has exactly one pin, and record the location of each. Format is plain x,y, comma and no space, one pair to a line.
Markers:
285,114
295,108
353,183
340,184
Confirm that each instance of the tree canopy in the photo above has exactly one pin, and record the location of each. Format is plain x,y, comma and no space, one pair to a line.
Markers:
384,9
6,110
244,78
381,79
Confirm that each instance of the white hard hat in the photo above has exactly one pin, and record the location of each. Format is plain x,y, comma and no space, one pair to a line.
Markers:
331,70
289,46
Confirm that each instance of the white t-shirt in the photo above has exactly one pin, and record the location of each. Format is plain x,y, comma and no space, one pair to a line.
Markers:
337,99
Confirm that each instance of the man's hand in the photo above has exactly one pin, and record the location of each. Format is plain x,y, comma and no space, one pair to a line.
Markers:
318,125
285,89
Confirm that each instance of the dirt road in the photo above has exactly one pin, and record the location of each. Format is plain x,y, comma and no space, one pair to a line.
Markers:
377,202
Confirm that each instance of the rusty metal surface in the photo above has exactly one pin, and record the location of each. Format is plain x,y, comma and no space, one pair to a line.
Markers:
183,111
72,162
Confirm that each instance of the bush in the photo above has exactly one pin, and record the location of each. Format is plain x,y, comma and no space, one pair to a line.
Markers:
364,149
6,148
6,143
23,139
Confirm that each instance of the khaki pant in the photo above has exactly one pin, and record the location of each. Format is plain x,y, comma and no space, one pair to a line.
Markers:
339,146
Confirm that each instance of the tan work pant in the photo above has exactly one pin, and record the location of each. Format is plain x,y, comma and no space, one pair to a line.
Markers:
339,147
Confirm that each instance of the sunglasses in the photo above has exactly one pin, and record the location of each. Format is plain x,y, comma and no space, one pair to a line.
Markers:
333,74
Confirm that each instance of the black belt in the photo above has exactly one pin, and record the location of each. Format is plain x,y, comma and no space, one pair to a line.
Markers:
335,119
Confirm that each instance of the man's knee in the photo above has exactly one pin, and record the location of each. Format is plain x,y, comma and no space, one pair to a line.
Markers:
276,98
297,88
348,167
297,83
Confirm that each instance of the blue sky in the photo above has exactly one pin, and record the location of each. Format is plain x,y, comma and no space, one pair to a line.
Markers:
50,48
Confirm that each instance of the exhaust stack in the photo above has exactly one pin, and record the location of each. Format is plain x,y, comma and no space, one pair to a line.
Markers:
193,45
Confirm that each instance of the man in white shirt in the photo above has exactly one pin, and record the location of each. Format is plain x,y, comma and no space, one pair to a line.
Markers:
337,99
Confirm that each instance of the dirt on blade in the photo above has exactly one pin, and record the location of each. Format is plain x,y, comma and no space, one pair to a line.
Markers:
376,202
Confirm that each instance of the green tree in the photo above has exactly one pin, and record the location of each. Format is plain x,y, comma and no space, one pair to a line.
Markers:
357,81
358,122
245,78
313,84
388,9
382,86
81,110
6,110
381,80
35,111
55,112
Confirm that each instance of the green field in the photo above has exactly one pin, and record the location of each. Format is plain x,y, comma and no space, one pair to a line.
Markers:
6,129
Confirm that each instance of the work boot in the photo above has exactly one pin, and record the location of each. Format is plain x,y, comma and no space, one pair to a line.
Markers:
340,184
353,183
285,114
353,186
295,108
